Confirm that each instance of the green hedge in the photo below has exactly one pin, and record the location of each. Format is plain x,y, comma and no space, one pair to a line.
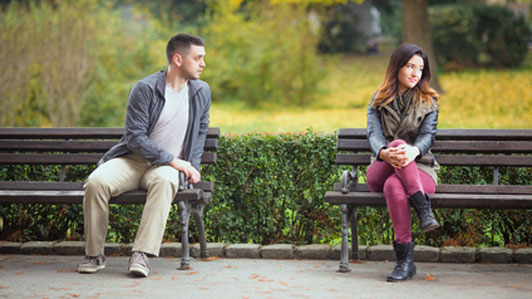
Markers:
269,189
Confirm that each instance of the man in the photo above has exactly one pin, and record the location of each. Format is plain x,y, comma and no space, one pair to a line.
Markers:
166,125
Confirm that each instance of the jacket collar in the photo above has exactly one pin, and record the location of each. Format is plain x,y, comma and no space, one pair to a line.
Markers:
193,85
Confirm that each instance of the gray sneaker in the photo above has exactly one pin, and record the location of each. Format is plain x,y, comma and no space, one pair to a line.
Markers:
91,264
138,264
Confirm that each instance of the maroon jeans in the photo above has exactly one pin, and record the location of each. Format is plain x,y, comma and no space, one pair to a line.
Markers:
398,185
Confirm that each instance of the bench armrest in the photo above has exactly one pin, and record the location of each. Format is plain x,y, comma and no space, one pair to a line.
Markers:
348,179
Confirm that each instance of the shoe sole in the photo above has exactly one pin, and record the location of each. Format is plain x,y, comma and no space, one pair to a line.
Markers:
389,279
431,227
138,271
91,270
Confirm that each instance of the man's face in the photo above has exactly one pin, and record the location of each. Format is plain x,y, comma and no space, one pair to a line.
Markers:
193,63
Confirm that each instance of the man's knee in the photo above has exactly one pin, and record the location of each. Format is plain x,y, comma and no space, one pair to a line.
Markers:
166,177
96,183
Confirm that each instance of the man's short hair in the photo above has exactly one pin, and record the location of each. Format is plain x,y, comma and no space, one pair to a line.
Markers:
180,43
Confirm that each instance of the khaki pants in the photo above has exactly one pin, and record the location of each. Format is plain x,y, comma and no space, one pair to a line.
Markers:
120,175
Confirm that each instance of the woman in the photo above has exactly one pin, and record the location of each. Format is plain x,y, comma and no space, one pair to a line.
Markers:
402,119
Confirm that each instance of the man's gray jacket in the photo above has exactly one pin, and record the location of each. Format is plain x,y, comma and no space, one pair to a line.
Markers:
145,104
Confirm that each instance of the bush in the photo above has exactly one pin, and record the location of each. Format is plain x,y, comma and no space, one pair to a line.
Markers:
261,53
65,68
270,188
505,36
455,43
478,35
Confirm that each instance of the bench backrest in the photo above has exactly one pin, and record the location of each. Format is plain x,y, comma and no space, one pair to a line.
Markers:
71,145
452,147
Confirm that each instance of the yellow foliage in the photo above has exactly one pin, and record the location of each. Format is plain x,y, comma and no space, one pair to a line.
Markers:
326,2
472,99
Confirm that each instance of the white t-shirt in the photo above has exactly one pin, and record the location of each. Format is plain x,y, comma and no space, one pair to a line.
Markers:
171,127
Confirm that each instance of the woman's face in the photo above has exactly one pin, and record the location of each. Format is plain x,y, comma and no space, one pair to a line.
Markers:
410,74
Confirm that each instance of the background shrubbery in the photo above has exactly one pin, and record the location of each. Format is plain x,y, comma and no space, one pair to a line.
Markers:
269,188
477,34
72,63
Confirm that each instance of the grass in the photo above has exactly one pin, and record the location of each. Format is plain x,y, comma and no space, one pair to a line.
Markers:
471,99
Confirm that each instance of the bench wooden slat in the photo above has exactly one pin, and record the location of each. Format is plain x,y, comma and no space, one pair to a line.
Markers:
211,144
449,188
70,197
69,159
448,160
483,146
454,134
74,133
70,186
438,200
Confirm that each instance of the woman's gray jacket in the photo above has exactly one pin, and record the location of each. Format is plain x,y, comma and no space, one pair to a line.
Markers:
145,104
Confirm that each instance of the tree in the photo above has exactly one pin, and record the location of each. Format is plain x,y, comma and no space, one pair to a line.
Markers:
416,30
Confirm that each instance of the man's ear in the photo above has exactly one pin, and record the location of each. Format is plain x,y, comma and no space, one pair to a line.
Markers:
177,59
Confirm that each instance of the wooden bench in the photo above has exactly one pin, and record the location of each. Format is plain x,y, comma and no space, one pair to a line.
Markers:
85,146
460,147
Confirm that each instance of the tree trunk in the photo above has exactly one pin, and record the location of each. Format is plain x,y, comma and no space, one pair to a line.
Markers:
416,30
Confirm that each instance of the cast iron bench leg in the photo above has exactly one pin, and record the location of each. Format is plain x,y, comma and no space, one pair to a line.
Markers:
353,216
197,213
344,254
184,209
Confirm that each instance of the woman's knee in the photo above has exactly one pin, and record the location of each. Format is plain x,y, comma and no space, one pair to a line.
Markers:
396,143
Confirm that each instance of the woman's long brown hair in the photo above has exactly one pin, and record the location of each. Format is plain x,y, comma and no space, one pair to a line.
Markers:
389,87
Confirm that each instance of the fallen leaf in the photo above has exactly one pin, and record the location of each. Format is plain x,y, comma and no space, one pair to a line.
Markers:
317,266
229,267
67,270
515,286
75,295
429,277
59,289
155,272
191,272
174,278
4,287
265,280
266,292
283,283
156,278
40,263
210,258
254,276
332,290
204,288
132,285
357,262
18,273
